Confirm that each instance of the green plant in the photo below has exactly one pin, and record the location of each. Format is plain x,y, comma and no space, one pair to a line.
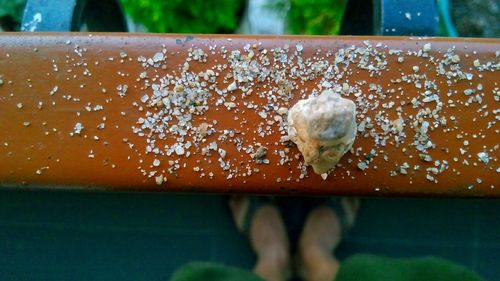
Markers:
181,16
314,17
11,12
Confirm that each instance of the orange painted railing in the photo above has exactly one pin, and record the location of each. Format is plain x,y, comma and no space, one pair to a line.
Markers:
207,113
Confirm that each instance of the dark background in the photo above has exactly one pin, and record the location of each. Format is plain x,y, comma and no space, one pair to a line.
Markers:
77,235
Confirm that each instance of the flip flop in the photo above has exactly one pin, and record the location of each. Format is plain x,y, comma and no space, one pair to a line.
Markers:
346,213
345,210
250,205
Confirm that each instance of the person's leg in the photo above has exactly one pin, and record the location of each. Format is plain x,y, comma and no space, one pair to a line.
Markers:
268,238
321,234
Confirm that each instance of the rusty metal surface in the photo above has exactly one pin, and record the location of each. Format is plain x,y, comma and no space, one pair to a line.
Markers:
37,148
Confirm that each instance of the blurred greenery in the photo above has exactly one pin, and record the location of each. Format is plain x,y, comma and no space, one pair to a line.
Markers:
222,16
12,8
183,16
11,12
315,17
212,16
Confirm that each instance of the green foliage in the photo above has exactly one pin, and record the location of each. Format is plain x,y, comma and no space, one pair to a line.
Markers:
186,16
214,16
315,17
12,9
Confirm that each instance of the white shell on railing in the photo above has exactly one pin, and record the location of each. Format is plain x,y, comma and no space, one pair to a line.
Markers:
324,128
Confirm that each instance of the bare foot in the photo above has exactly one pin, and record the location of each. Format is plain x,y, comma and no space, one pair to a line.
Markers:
267,237
320,236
